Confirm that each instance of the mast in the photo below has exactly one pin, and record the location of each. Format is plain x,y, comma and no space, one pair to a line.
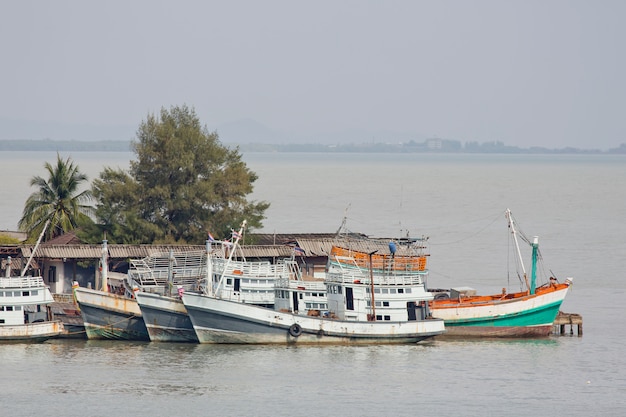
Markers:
230,256
209,269
170,273
105,266
519,253
533,271
373,302
36,246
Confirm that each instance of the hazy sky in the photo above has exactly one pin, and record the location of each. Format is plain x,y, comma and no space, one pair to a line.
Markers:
545,73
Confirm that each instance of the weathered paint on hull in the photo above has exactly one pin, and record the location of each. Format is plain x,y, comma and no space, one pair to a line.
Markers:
30,332
166,319
221,321
104,324
531,316
110,316
496,331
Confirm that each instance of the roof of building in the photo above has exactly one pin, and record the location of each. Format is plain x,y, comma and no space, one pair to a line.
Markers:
313,245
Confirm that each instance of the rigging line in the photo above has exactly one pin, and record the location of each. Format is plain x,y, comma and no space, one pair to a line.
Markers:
470,236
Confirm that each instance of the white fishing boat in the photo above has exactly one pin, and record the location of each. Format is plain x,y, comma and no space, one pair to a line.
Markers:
243,281
113,312
24,316
365,305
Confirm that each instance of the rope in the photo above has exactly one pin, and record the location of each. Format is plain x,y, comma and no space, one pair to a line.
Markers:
495,219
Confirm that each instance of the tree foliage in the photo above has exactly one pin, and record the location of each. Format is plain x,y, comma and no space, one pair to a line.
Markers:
183,184
57,200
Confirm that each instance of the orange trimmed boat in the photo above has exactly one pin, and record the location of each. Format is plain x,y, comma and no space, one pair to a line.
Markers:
528,313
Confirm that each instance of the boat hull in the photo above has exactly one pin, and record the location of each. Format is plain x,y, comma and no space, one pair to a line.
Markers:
30,332
110,316
166,318
524,316
223,321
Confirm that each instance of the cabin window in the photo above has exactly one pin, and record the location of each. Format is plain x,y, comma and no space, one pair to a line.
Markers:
9,308
400,290
385,303
376,290
379,318
25,293
385,291
392,291
301,296
18,308
34,292
408,291
387,318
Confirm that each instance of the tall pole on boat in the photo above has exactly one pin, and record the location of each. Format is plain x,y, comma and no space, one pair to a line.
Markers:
519,253
533,271
209,269
105,266
237,236
170,273
45,226
373,302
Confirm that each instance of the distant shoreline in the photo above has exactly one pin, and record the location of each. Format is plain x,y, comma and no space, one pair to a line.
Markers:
431,146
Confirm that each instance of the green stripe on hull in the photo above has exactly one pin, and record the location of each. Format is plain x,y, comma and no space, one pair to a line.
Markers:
534,317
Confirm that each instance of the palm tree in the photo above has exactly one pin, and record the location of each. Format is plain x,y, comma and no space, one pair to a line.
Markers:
57,202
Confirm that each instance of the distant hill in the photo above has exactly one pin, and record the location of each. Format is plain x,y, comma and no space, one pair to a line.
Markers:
11,129
252,136
244,131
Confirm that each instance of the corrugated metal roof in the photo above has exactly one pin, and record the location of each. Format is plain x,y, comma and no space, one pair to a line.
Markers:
314,245
141,251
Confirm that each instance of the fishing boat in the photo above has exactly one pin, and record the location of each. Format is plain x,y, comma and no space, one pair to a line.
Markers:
161,281
527,313
243,281
113,312
381,305
24,316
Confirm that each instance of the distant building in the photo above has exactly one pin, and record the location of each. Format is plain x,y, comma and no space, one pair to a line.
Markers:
435,144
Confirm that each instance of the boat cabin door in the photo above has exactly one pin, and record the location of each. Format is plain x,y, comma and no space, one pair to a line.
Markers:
413,311
294,298
237,284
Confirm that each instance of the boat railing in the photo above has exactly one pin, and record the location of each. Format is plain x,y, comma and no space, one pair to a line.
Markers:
145,277
163,260
21,282
340,272
262,269
155,270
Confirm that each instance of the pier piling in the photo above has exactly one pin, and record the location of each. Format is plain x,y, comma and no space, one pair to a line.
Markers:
568,319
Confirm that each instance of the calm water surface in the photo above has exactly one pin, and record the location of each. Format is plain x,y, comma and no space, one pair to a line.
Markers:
576,204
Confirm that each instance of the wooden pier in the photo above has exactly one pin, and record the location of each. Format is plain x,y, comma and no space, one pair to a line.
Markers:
568,319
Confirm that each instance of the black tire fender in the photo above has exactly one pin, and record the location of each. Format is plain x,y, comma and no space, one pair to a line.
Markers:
295,330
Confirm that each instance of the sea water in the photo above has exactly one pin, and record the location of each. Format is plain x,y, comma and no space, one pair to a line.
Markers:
575,204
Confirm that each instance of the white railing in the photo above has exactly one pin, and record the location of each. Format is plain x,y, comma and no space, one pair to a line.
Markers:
21,282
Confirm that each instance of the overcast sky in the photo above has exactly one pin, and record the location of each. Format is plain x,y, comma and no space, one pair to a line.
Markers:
527,73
